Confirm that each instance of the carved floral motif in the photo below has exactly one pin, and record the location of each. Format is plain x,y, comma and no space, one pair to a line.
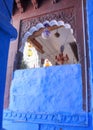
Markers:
66,15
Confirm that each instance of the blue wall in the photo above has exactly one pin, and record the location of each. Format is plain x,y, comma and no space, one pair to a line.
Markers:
4,45
6,33
54,89
90,41
6,9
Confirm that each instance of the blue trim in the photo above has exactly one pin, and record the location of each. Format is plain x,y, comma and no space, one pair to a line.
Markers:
66,119
89,9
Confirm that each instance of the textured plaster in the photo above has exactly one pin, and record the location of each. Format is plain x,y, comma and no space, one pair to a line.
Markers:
90,41
47,90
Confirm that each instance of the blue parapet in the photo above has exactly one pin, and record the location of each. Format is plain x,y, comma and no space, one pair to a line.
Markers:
50,95
27,121
47,90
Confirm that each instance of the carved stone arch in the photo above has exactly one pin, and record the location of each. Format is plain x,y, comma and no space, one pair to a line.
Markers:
68,16
65,15
39,26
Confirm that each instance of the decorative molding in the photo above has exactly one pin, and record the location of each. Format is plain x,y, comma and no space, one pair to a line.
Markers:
66,15
32,31
56,119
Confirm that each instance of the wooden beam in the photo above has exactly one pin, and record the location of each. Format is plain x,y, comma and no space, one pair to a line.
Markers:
38,33
37,45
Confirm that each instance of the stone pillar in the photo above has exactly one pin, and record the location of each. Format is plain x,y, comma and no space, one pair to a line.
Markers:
7,31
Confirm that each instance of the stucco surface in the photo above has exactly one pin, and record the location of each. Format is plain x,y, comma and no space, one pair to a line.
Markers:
47,90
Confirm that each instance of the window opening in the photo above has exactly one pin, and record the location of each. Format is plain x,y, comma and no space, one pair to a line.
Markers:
49,46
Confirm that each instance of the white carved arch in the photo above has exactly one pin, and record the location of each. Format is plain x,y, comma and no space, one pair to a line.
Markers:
41,25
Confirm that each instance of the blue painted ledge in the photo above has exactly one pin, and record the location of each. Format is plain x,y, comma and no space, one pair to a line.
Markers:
53,89
48,95
66,119
7,27
27,84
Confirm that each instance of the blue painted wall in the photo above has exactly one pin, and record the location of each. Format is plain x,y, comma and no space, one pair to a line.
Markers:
26,121
4,45
90,41
6,33
54,89
6,9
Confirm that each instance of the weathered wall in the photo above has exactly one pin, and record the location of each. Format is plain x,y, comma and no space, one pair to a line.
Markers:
54,89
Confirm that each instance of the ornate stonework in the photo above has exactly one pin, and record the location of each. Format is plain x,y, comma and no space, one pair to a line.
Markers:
55,119
66,15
